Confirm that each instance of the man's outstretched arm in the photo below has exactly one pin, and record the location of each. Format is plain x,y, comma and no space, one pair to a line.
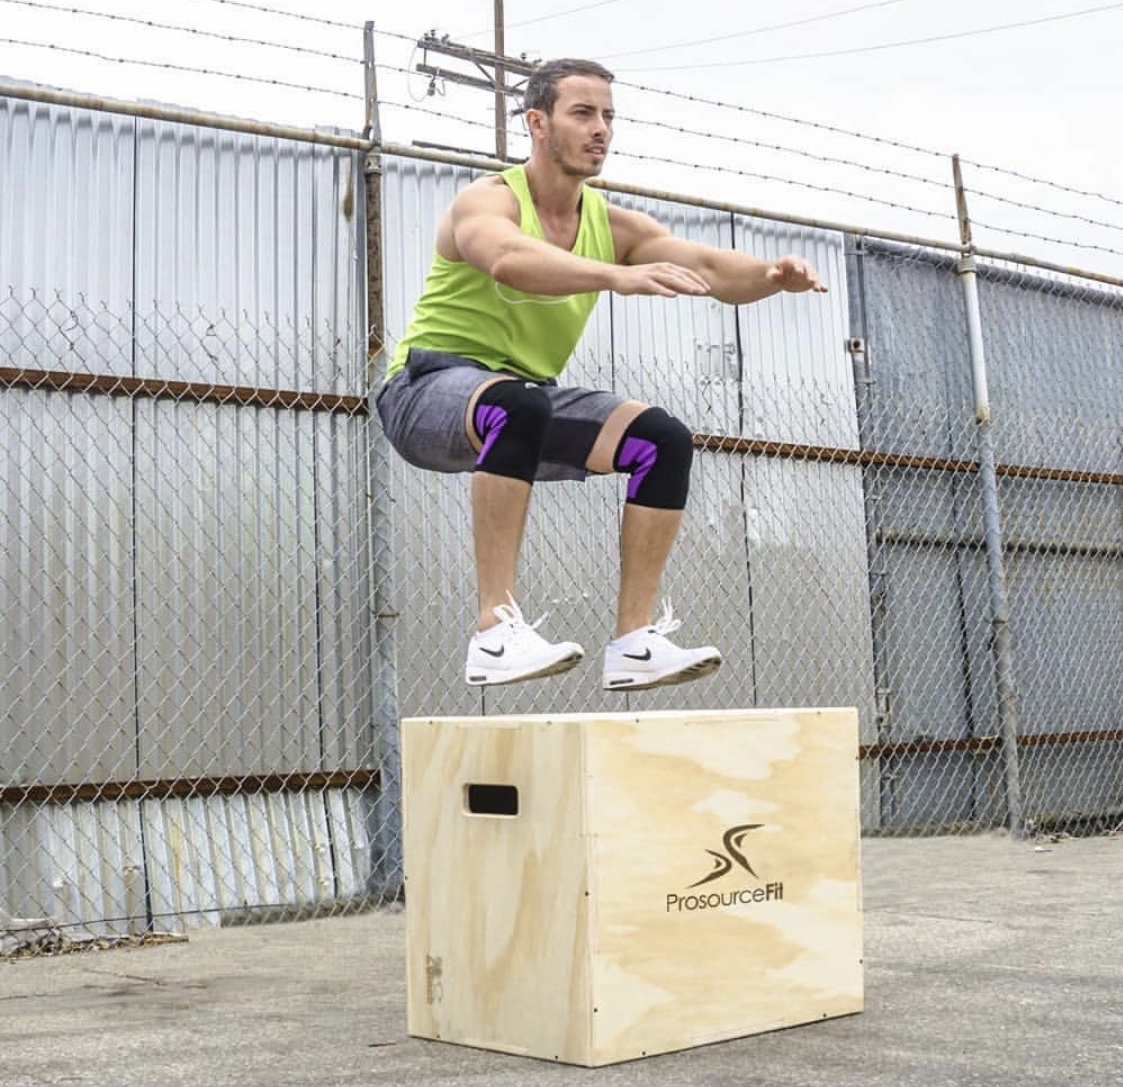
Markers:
482,228
733,277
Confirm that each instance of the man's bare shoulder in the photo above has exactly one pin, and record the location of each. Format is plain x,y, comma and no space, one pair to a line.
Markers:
485,204
490,194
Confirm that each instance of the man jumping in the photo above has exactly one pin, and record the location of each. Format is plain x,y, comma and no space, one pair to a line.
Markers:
521,257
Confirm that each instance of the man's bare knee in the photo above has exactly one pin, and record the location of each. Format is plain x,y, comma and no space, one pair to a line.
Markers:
469,427
608,440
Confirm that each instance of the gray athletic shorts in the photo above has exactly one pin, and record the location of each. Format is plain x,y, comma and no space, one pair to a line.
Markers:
422,408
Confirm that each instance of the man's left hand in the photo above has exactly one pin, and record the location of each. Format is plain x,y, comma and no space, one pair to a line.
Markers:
794,274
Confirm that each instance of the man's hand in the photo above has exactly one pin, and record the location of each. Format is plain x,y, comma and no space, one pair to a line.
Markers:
663,278
794,274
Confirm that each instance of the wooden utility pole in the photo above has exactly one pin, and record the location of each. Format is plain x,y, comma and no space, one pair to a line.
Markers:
500,96
495,68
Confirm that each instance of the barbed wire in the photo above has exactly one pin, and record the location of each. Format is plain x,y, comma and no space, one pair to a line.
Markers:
886,171
834,190
848,162
1042,181
836,130
181,68
977,224
755,175
151,24
1009,201
741,140
288,14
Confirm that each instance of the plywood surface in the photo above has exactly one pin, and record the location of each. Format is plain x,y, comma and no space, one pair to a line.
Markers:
670,879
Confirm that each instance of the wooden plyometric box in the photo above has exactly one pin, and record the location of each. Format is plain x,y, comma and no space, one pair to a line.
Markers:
597,888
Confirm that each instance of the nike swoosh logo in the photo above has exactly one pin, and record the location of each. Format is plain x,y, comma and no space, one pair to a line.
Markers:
494,652
644,656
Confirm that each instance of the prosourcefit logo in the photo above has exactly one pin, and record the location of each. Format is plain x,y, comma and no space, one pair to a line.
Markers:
723,864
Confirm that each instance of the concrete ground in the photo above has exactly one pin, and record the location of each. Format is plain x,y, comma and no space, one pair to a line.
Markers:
987,961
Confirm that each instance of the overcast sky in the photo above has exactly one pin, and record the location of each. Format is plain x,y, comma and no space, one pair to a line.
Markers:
1040,99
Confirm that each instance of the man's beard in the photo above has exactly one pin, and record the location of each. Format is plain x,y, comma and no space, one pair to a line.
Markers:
569,169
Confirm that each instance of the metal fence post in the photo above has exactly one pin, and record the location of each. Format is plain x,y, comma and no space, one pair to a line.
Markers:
992,525
386,834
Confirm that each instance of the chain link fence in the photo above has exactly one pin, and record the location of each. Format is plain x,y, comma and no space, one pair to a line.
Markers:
186,586
221,591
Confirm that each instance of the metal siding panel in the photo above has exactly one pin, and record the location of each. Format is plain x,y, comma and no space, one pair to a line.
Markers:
66,588
66,209
1073,781
941,792
921,401
348,813
1068,610
1061,515
344,591
926,508
810,586
1055,374
223,855
226,582
231,227
940,682
241,861
680,353
338,277
798,378
313,848
75,863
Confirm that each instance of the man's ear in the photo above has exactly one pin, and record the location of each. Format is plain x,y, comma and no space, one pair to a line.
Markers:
535,120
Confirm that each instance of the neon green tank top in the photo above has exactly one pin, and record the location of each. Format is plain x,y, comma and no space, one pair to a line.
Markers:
463,311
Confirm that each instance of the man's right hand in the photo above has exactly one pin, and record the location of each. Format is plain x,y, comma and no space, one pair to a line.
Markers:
664,278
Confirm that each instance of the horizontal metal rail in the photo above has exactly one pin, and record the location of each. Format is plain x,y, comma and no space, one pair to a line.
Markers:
181,788
200,392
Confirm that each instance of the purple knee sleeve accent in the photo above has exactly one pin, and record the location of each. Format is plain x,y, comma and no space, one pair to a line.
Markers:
489,421
638,457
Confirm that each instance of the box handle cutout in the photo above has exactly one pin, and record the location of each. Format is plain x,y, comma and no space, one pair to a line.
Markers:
492,800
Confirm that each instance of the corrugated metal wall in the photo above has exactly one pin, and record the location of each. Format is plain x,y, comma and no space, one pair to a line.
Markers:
208,637
187,580
1055,375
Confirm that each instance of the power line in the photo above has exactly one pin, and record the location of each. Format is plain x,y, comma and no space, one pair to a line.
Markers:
288,14
1041,181
179,68
695,165
748,33
545,18
783,117
742,141
1042,238
882,140
183,29
882,46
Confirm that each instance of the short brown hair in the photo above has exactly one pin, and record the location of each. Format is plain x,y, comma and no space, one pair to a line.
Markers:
542,87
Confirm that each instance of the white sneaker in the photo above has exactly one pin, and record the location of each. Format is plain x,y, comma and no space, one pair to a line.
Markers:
513,650
645,658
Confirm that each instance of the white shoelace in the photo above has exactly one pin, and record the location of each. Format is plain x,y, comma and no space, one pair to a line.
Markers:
666,623
511,613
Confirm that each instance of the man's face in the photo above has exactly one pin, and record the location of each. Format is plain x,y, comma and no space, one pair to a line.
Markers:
579,130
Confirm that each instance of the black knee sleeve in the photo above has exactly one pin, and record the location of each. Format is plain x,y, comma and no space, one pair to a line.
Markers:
511,418
656,450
